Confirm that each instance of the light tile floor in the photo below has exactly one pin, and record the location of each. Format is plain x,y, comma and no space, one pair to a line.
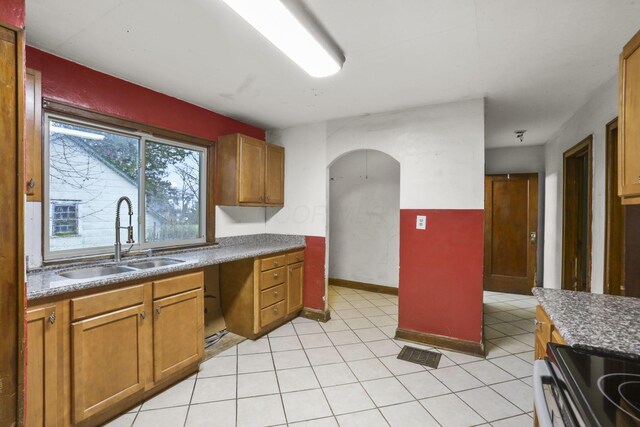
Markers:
345,372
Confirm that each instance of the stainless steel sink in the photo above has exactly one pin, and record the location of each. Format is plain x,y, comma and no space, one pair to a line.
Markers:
153,263
87,273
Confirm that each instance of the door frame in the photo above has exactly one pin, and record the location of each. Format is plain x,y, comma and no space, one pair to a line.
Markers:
584,147
532,261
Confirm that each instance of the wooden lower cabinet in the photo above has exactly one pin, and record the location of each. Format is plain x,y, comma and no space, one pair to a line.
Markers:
545,333
178,332
42,366
258,295
107,359
107,351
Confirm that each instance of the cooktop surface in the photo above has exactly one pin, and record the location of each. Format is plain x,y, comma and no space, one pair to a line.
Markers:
605,388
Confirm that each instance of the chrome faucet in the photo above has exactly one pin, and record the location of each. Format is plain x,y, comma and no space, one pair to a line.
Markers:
118,246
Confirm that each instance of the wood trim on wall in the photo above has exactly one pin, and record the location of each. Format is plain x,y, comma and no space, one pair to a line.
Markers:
12,75
73,111
313,314
363,286
462,346
612,255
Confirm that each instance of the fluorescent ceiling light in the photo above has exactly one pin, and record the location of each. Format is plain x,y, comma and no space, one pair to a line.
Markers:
274,21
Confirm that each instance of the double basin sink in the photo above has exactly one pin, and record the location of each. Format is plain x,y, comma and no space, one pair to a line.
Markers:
108,270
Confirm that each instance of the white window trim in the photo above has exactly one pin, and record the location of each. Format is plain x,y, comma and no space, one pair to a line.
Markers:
141,243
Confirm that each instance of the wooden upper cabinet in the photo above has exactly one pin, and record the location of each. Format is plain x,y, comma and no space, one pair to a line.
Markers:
42,366
274,175
249,171
629,123
33,136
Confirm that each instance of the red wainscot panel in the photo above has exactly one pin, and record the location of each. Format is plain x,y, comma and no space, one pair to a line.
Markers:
74,84
440,289
314,280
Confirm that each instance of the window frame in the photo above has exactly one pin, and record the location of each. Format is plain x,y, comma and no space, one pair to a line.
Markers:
143,138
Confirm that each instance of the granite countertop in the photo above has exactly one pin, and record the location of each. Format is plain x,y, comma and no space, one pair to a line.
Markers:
593,321
45,282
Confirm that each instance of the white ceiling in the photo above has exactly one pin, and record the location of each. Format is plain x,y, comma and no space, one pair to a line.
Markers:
536,61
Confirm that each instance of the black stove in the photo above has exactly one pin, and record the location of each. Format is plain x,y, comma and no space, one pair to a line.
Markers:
604,389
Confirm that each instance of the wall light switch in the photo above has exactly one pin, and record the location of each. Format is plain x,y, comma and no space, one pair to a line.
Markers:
421,222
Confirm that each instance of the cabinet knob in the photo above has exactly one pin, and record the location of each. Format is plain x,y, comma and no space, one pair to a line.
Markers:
52,318
275,275
268,198
276,263
31,184
639,180
537,322
275,310
275,293
158,310
143,315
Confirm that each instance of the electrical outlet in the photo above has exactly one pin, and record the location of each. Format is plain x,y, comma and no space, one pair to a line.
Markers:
421,222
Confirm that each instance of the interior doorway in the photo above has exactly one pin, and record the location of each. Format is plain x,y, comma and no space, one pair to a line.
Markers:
364,221
576,229
511,232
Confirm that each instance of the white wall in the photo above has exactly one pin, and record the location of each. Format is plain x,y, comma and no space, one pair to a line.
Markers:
526,159
239,220
365,218
590,119
440,149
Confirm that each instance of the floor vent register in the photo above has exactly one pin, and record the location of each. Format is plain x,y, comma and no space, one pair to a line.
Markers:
419,356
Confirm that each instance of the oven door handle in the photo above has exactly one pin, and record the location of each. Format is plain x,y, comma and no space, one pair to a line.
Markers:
540,371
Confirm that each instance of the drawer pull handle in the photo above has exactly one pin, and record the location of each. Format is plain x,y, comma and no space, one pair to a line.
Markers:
275,293
275,310
143,315
158,310
52,318
275,275
276,263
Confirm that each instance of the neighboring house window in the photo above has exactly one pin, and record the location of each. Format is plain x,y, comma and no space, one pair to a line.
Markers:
88,167
64,218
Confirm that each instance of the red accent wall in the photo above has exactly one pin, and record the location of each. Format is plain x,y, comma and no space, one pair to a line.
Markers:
12,12
441,268
75,84
314,283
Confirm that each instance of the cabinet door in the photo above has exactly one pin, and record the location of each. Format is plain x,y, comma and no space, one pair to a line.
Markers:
251,171
42,367
178,333
629,120
107,360
33,136
295,280
274,175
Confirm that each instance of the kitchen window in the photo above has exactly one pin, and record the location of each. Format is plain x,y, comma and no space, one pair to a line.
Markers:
88,167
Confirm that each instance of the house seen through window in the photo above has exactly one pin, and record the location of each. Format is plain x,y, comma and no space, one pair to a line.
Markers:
89,167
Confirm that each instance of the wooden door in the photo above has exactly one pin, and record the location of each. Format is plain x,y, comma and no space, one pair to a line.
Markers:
576,230
511,232
178,333
251,171
11,222
629,129
42,367
33,136
107,360
614,224
274,175
295,281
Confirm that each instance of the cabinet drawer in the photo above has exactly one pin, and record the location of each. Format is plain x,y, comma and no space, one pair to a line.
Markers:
294,257
273,313
272,295
178,284
105,302
272,262
272,277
